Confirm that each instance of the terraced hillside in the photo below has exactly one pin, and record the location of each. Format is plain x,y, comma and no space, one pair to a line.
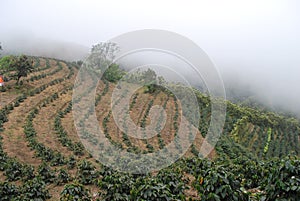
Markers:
42,157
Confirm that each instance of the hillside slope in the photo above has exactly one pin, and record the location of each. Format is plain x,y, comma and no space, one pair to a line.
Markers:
41,155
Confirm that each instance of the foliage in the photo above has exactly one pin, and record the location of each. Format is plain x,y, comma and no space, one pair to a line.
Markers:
45,173
6,64
63,177
151,189
283,181
34,189
215,182
77,148
218,184
74,192
102,55
8,191
28,172
23,65
173,179
13,170
115,185
167,185
87,173
113,73
266,148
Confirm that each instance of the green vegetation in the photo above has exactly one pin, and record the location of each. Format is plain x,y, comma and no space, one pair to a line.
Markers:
268,140
19,66
256,158
74,192
5,64
113,73
23,65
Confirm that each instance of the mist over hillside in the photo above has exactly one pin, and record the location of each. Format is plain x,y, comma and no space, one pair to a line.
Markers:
37,46
265,90
270,90
254,44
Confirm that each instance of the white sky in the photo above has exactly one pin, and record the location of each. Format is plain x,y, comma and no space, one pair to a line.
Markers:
251,39
87,21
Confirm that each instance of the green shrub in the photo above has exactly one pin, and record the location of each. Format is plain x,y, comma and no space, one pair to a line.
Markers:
13,170
87,173
34,189
74,192
62,177
45,173
8,191
283,182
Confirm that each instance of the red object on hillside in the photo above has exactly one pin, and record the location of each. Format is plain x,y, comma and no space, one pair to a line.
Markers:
1,81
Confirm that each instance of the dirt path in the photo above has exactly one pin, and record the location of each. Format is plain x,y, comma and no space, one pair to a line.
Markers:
44,124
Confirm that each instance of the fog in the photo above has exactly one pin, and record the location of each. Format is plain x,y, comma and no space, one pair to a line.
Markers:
37,46
254,44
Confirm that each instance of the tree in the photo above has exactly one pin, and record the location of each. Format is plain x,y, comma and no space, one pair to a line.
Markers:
102,55
149,76
150,80
79,63
22,65
113,73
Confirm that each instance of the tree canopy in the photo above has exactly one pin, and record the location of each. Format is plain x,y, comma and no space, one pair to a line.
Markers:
113,73
23,66
20,66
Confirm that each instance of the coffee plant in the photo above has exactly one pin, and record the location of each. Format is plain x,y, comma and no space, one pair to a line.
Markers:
74,192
